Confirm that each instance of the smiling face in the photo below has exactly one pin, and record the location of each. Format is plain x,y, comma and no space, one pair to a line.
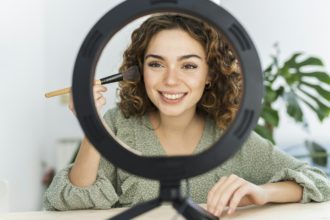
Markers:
175,72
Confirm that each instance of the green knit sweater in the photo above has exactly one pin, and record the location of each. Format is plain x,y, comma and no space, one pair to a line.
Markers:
258,161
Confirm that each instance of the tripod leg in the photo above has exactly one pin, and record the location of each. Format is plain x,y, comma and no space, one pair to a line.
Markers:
192,211
137,210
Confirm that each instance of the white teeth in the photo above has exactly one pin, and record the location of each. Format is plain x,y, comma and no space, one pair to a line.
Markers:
173,96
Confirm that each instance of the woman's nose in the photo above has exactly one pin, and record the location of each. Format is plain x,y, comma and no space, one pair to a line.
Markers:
171,76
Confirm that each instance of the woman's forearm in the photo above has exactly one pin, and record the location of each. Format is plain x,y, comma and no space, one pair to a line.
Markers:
84,171
282,192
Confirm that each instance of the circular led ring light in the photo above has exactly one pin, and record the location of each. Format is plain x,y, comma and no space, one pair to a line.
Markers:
179,167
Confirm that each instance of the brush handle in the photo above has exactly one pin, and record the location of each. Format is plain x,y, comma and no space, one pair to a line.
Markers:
65,90
58,92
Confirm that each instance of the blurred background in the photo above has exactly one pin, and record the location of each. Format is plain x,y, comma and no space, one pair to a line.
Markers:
39,42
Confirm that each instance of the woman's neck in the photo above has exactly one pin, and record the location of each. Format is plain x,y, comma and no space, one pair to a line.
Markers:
175,125
178,135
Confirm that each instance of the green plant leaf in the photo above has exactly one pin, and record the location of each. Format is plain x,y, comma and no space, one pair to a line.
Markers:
311,61
320,114
291,62
293,78
279,92
270,116
292,107
284,72
264,132
324,93
270,95
322,109
322,76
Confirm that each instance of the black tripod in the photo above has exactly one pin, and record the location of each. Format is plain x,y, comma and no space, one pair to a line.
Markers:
169,192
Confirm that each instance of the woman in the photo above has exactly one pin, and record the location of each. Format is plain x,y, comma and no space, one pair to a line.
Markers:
189,94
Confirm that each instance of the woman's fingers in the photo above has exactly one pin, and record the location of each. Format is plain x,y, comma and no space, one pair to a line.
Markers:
237,197
211,198
71,107
99,88
100,103
227,194
220,194
99,99
97,96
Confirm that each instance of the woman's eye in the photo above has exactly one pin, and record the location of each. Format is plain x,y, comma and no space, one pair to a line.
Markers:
189,66
154,64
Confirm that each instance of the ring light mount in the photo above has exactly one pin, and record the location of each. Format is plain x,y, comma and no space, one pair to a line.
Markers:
168,170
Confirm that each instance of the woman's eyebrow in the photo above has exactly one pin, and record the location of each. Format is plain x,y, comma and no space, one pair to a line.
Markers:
154,56
190,56
180,58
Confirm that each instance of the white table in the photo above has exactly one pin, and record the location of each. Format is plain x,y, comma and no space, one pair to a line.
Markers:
311,211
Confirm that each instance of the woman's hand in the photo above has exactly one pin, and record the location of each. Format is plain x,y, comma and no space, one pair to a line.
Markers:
99,99
234,191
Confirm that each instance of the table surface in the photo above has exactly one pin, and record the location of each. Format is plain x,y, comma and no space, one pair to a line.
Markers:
310,211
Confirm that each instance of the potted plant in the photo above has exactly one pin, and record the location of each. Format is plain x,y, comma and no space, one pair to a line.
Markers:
296,82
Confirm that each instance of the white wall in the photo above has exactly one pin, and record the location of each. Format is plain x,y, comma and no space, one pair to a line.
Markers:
38,45
67,24
22,105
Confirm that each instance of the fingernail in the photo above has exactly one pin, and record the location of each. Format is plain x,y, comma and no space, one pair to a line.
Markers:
230,211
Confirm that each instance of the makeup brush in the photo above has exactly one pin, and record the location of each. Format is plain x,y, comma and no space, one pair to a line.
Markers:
131,74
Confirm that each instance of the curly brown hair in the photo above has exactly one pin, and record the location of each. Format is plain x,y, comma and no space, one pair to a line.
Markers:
220,99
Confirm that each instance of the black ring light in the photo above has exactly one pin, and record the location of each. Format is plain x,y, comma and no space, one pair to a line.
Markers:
167,169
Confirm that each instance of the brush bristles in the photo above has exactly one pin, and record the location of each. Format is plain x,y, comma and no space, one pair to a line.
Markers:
132,74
